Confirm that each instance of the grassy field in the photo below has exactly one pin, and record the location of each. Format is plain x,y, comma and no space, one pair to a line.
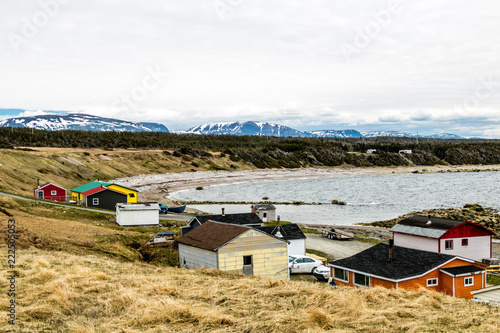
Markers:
62,292
20,169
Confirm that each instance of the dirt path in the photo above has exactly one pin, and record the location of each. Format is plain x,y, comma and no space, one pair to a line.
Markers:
336,248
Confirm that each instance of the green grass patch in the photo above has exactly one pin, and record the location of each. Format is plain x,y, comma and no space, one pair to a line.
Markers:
366,239
493,279
275,223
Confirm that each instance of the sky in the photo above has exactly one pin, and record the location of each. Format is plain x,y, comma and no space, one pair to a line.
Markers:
413,66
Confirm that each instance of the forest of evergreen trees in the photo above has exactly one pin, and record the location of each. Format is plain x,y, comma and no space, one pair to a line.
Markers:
272,152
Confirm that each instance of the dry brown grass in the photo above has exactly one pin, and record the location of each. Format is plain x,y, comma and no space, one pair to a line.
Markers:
70,293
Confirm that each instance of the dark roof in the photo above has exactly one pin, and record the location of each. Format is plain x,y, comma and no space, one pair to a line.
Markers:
436,222
239,219
288,231
212,235
406,262
462,270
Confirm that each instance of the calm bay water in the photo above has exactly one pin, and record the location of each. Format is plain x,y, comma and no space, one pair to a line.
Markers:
368,198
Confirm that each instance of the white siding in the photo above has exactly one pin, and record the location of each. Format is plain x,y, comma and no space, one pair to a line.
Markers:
478,248
137,217
297,247
417,242
193,257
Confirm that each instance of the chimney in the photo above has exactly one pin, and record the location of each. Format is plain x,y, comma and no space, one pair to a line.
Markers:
429,219
391,250
38,182
223,211
278,226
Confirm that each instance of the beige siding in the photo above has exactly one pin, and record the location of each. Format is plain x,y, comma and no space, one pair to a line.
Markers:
270,257
193,257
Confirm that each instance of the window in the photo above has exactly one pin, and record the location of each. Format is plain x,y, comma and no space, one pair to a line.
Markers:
448,245
131,195
432,282
299,260
361,280
308,260
53,192
341,274
95,201
465,242
247,260
469,281
264,215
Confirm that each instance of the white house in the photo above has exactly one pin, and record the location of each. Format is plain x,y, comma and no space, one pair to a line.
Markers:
291,233
460,238
130,214
266,212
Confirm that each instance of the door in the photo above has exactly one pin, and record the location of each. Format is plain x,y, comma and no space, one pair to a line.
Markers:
40,194
248,265
264,216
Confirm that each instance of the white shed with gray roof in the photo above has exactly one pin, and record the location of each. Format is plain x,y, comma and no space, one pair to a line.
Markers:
131,214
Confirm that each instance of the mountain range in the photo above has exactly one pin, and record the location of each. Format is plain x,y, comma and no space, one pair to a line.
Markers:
86,122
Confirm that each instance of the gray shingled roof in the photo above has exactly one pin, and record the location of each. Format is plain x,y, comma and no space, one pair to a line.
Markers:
407,263
239,219
418,225
288,231
462,270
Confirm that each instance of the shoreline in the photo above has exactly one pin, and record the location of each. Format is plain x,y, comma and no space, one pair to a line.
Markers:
157,187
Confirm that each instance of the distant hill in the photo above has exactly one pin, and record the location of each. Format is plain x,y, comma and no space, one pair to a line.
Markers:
444,136
394,134
349,133
245,128
85,122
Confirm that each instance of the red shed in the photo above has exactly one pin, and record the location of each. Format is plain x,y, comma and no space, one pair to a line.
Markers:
50,191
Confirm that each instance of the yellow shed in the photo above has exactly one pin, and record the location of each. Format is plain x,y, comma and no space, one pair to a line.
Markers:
235,249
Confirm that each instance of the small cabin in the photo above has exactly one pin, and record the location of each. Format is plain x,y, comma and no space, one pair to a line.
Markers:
465,239
133,214
103,197
265,212
49,191
234,248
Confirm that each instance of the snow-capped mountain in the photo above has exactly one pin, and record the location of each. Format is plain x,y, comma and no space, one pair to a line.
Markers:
444,136
394,134
76,121
245,128
349,133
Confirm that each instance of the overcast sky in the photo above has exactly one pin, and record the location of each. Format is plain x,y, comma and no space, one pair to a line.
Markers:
426,66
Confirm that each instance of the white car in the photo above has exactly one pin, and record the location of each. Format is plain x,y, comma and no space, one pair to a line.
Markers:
322,273
302,264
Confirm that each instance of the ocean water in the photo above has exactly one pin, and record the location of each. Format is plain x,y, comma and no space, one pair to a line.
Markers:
368,198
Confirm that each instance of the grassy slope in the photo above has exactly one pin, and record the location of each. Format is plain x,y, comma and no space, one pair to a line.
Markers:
69,293
69,168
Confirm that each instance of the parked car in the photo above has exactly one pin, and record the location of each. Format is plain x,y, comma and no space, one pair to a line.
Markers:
322,273
302,264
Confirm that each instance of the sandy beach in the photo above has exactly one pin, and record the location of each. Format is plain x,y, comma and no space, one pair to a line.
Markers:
156,187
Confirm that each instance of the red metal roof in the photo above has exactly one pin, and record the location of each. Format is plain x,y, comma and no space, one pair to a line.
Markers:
99,189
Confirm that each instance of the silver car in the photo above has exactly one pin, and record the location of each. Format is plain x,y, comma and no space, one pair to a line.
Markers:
302,264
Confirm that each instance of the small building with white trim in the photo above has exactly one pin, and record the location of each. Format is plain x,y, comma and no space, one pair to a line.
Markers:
134,214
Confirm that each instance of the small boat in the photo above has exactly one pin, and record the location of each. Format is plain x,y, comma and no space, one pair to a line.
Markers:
179,209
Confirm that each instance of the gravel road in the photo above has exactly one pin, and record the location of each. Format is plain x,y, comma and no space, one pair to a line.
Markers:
336,248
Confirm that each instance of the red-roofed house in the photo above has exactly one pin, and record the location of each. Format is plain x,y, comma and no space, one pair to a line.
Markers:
103,197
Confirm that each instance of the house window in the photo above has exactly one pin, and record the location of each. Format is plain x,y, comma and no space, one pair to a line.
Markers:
465,242
264,215
469,281
448,245
432,282
341,274
247,260
131,195
95,201
361,280
53,192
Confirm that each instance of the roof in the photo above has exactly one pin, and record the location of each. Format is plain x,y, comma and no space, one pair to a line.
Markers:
136,206
43,185
263,206
406,262
165,233
128,188
89,186
239,219
418,225
212,235
288,231
100,189
455,271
